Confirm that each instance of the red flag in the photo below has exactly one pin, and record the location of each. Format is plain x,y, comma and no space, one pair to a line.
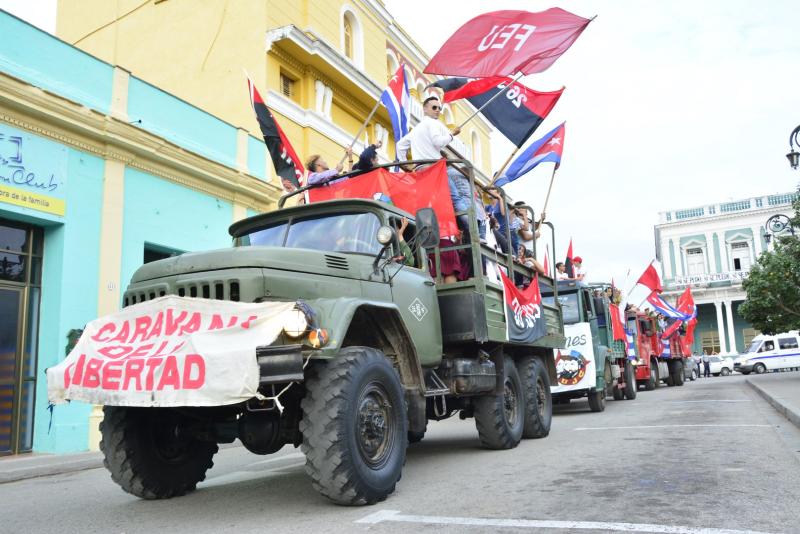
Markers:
568,262
650,279
686,305
409,191
546,263
523,311
287,164
502,43
617,326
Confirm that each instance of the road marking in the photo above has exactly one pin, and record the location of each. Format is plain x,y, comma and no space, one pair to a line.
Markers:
712,400
668,426
398,517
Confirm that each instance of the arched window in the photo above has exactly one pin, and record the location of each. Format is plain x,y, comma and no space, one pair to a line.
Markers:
448,116
476,148
420,90
348,35
352,37
391,64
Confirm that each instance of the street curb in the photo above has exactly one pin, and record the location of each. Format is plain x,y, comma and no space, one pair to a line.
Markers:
785,410
13,469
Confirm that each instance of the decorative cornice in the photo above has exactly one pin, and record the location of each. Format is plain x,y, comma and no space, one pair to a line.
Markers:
52,116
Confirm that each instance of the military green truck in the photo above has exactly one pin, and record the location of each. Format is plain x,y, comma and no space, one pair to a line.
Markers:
386,348
591,363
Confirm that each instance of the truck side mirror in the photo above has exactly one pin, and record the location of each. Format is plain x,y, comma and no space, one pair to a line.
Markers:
427,228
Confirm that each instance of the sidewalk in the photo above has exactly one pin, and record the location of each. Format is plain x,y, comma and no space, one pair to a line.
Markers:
782,391
39,465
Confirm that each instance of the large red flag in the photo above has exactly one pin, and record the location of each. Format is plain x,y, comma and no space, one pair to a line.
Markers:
503,43
546,265
686,305
287,164
617,326
409,191
650,279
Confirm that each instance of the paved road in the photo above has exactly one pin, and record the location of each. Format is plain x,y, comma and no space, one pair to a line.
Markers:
708,456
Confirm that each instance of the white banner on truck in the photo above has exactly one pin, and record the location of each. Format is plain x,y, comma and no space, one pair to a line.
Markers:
171,351
575,365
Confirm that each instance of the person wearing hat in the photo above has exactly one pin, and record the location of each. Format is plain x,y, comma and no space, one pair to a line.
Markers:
577,268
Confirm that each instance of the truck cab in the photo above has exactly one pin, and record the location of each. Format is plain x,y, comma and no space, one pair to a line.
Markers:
587,365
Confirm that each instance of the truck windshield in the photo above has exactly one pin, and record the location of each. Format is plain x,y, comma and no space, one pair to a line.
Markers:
569,305
753,346
348,232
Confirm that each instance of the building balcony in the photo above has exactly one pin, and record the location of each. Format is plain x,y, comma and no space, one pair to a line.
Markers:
725,208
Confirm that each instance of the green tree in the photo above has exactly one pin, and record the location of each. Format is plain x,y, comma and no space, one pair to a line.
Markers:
773,287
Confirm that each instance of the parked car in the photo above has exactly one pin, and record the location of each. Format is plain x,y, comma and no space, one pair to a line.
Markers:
721,366
768,353
690,369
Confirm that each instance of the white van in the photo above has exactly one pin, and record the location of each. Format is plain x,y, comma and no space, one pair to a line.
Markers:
766,353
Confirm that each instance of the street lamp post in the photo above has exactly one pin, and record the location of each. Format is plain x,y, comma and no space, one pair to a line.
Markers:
794,143
777,224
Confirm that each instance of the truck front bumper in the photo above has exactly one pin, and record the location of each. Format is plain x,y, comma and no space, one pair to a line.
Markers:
279,364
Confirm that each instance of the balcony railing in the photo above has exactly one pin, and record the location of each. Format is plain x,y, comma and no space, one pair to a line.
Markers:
734,277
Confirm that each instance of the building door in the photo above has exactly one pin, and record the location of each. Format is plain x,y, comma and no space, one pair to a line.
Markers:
20,279
741,256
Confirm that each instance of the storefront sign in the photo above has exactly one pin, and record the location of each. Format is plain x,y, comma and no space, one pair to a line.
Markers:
33,171
699,279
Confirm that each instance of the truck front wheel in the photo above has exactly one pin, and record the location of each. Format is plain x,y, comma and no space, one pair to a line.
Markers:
538,400
354,426
150,454
630,381
597,400
500,419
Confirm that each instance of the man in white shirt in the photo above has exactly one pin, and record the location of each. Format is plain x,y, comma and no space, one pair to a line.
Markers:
577,268
426,141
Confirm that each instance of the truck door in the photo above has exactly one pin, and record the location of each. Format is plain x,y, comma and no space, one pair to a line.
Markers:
414,292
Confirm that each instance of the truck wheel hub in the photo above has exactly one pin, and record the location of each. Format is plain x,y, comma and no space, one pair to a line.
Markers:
374,433
510,402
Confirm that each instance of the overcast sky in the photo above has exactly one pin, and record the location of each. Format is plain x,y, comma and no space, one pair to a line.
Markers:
669,104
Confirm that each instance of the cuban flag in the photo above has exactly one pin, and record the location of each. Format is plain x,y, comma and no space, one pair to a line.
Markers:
667,351
663,307
629,345
548,148
397,102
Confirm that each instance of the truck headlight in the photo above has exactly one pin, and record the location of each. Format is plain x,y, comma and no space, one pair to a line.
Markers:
295,323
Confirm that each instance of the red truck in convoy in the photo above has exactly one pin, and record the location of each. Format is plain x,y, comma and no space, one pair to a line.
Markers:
657,360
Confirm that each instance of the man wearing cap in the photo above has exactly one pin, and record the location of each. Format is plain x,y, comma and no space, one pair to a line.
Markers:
577,268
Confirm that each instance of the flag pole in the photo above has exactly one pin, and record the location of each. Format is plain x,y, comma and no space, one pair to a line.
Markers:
547,198
499,173
363,127
516,79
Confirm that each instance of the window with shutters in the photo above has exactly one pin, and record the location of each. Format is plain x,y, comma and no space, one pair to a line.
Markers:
695,261
740,252
287,86
348,36
709,341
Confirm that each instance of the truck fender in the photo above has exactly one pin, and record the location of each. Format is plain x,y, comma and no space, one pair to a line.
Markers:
358,322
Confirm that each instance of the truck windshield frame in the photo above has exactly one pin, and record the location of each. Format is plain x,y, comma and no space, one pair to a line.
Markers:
346,233
570,307
754,346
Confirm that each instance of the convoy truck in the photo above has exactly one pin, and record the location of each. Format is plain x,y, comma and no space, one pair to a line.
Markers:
590,364
654,363
386,347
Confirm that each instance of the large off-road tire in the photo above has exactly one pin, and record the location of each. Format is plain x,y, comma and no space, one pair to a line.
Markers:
630,381
653,382
617,393
597,400
500,419
676,368
149,455
538,401
354,426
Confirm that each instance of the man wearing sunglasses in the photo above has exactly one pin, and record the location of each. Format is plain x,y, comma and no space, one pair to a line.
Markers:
426,141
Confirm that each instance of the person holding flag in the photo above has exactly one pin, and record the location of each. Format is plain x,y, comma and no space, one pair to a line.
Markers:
426,142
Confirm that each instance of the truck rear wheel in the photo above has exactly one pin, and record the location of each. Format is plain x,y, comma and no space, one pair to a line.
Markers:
654,379
630,381
538,401
149,455
597,400
617,393
500,419
680,375
354,427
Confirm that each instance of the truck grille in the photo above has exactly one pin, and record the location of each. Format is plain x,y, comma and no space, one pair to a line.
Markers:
228,290
336,262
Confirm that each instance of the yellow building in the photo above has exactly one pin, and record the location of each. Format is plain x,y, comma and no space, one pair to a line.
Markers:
320,65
